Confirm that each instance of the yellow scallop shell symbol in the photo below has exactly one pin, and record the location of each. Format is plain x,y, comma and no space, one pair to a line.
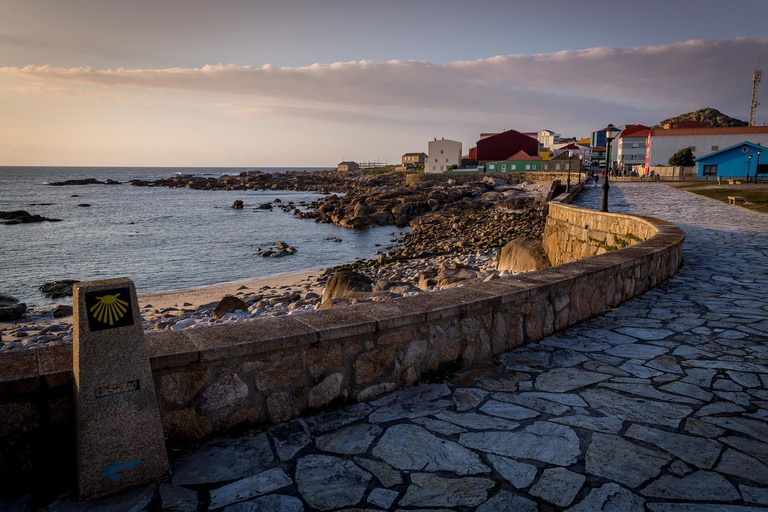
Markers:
109,309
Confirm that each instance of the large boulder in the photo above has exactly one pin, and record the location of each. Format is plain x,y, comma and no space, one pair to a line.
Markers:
342,283
229,304
10,308
523,255
62,310
58,289
237,205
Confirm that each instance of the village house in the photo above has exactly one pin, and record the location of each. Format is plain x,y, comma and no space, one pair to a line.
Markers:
734,162
348,166
631,146
443,155
564,162
519,162
702,141
501,146
412,160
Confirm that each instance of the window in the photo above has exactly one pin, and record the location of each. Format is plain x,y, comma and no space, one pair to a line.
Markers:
435,160
533,167
527,167
491,166
710,170
503,167
446,160
635,145
512,167
441,151
557,167
715,148
442,168
433,168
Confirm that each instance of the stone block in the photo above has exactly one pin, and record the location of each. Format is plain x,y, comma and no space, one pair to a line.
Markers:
282,374
227,391
374,364
180,388
323,358
326,391
186,424
119,434
282,406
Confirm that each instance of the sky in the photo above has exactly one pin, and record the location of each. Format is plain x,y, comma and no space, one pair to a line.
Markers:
311,83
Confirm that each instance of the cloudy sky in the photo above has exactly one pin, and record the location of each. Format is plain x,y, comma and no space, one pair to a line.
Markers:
309,83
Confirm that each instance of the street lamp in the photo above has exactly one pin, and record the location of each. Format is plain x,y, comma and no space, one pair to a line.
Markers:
749,161
570,163
610,134
757,164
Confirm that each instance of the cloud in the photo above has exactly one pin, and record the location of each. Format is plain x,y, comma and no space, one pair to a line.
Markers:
641,84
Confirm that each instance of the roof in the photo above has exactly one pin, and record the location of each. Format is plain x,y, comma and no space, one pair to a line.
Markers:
569,146
414,154
522,155
729,148
729,130
348,163
598,148
635,130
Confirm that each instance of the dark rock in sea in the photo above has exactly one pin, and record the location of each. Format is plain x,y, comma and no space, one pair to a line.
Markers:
229,304
84,205
237,205
58,289
277,251
278,200
23,217
10,308
343,283
265,206
86,181
334,239
62,310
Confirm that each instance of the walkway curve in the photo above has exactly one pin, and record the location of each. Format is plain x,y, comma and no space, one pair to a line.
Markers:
660,405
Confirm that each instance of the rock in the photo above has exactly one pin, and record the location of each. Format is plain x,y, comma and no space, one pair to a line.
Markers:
85,181
635,409
410,447
523,255
349,440
342,283
271,503
561,380
609,498
245,456
61,311
289,438
519,474
558,486
84,205
742,465
699,486
10,308
22,217
694,450
237,205
265,206
57,289
249,487
542,441
427,490
615,458
382,498
328,482
506,502
229,304
178,499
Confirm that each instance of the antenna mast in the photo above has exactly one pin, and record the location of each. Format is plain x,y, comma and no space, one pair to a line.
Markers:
756,77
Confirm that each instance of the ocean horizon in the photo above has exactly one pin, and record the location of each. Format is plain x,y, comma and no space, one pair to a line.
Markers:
165,239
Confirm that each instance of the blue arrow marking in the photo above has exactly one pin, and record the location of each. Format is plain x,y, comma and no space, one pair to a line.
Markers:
113,471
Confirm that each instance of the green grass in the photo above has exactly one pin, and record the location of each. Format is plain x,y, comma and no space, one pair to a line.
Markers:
756,197
380,170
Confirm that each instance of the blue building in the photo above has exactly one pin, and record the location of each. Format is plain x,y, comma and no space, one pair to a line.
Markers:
733,162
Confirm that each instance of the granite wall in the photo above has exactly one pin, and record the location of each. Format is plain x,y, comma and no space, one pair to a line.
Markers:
273,369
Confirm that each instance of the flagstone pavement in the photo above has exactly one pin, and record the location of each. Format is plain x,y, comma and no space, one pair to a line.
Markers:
660,405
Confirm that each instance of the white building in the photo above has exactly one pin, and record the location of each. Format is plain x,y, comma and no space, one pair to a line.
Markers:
548,138
702,141
442,155
630,147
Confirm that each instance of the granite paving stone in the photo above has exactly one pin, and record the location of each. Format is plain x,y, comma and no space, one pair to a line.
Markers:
609,498
636,409
271,503
245,456
617,459
428,490
327,482
558,486
350,440
742,465
697,451
517,473
250,487
699,486
507,410
561,380
382,497
542,441
505,501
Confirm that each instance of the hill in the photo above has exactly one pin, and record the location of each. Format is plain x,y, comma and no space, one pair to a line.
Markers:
713,117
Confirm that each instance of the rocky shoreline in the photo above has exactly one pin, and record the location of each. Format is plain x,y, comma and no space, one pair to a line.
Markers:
457,231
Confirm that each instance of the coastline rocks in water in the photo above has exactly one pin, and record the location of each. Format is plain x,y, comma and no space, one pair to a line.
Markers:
334,239
229,304
237,205
62,310
342,283
265,206
22,217
86,181
84,205
523,255
277,251
58,289
10,308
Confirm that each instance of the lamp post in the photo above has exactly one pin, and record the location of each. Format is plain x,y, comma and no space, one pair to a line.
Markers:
610,134
570,163
749,161
757,164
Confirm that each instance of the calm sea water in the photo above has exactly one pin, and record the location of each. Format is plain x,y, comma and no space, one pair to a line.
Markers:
164,239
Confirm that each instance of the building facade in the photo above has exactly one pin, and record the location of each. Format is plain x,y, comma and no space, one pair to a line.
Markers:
547,138
348,166
702,141
563,163
414,160
519,162
442,155
503,145
736,161
630,147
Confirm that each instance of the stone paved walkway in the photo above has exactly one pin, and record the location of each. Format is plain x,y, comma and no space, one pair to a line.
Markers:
660,405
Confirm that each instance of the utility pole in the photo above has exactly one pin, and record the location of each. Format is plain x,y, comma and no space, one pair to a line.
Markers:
756,77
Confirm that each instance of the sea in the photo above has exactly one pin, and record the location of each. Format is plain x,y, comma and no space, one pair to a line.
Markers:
164,239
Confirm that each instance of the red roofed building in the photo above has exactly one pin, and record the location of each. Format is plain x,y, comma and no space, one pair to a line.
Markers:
702,141
501,146
630,146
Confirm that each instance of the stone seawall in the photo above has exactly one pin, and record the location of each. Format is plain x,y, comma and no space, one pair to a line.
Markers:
536,177
273,369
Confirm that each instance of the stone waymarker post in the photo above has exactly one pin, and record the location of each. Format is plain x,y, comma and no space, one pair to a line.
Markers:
119,435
